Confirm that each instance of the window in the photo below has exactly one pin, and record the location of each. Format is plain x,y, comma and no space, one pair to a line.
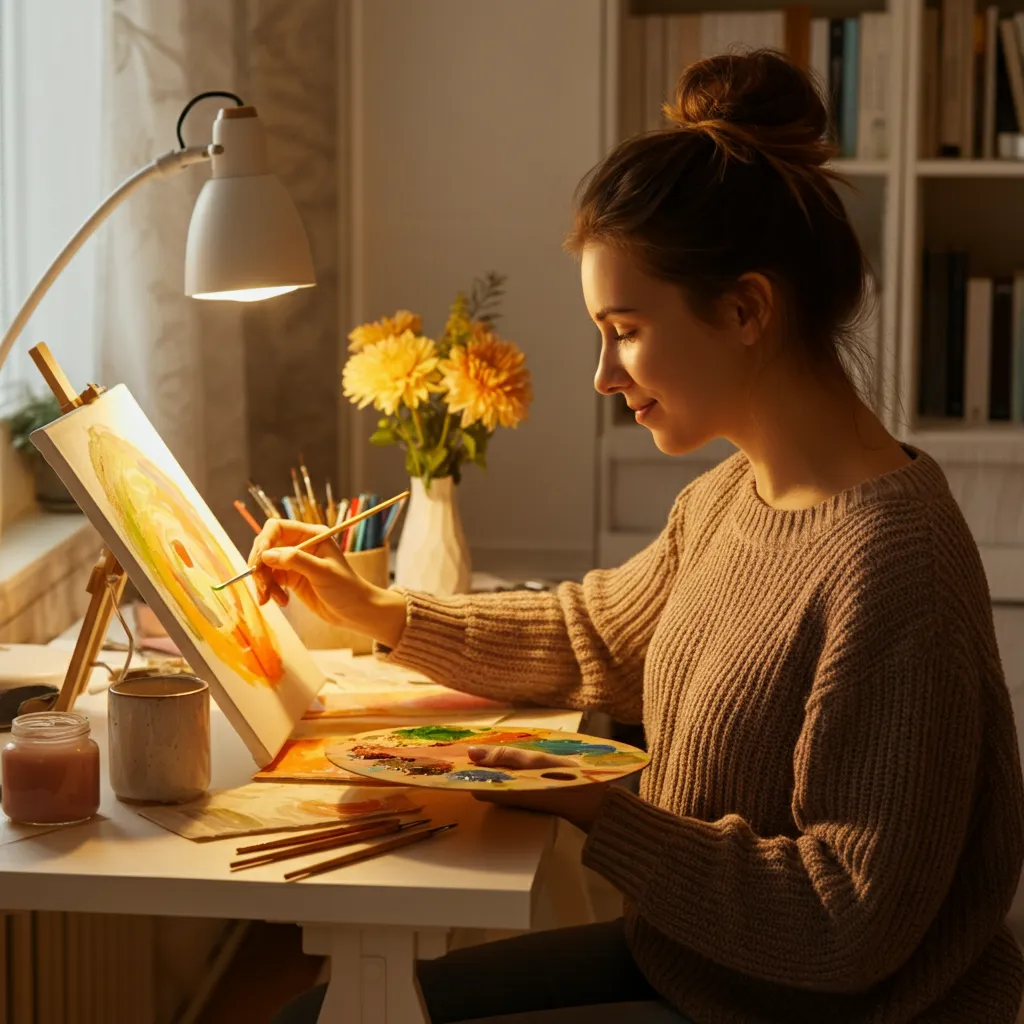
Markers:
51,179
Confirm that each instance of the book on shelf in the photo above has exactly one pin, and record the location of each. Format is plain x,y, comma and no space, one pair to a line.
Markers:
972,88
851,58
972,343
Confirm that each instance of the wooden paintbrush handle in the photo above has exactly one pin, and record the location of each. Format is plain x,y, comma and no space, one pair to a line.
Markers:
322,832
374,851
272,856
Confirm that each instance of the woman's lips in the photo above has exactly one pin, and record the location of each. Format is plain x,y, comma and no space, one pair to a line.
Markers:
642,412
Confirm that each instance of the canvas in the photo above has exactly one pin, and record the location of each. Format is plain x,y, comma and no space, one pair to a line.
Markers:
159,528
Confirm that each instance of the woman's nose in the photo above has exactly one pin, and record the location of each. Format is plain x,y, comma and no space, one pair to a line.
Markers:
611,376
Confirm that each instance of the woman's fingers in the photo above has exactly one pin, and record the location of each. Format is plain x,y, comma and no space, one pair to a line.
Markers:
291,560
515,757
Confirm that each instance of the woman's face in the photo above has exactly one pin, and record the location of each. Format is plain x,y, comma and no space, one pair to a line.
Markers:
682,376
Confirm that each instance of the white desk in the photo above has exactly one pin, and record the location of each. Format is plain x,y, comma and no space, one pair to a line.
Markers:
372,919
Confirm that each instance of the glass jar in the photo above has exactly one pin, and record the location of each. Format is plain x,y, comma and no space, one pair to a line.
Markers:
51,770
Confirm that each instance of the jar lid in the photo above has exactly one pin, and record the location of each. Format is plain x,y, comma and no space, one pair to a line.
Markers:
50,725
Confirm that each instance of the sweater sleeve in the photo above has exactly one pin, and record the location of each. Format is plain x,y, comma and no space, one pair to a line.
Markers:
885,774
582,646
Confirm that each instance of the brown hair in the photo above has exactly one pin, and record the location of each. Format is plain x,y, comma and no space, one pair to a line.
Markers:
738,185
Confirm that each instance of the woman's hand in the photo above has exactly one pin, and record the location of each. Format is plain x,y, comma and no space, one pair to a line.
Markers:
323,580
576,804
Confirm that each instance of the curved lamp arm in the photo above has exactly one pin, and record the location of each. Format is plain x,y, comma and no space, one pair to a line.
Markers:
162,167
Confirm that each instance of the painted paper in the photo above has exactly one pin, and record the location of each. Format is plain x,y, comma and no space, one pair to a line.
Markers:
266,807
437,756
174,550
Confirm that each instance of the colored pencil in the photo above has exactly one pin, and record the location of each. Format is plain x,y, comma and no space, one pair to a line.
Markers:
247,516
389,525
312,542
374,851
348,544
331,509
354,835
289,508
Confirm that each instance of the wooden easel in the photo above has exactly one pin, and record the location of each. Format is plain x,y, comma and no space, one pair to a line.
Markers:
107,580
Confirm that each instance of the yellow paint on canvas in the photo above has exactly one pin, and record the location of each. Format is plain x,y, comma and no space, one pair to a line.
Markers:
181,555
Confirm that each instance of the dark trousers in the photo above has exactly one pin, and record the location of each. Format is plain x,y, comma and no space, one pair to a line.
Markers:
542,973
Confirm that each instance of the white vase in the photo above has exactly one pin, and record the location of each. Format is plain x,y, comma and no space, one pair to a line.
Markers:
432,552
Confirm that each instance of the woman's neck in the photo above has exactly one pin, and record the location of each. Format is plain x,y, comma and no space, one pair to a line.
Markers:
808,436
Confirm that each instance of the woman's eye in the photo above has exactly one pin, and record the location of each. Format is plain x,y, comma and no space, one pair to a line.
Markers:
625,335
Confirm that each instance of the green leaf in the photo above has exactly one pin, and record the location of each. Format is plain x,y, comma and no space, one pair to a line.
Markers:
411,463
384,436
469,443
434,459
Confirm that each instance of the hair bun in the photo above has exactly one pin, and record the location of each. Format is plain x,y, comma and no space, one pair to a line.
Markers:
756,103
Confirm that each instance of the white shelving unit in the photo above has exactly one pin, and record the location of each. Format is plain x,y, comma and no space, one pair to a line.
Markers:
972,205
637,482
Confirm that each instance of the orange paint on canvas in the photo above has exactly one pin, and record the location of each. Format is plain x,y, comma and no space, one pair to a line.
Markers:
184,559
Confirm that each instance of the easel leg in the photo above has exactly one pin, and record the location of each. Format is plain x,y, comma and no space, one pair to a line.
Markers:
373,971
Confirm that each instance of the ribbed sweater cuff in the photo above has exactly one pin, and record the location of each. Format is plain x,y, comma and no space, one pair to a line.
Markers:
626,841
434,640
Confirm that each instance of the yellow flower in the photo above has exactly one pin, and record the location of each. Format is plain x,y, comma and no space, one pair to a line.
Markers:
400,370
487,381
386,327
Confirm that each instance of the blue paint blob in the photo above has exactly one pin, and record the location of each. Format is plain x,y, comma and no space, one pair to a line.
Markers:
565,748
479,775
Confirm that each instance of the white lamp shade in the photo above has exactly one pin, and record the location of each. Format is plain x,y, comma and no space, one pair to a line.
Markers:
246,236
246,240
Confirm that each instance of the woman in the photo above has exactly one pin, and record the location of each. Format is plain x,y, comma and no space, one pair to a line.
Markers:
830,828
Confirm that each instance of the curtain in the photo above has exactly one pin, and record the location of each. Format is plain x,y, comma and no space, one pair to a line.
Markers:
235,390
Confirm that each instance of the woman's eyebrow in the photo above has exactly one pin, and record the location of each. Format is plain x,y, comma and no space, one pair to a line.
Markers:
601,314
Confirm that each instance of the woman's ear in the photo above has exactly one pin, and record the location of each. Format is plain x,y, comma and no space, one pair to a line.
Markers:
752,301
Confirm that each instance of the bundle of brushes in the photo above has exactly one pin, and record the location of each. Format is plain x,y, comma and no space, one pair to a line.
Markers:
392,832
303,505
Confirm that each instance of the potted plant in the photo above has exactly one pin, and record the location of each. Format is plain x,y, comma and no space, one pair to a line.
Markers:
36,412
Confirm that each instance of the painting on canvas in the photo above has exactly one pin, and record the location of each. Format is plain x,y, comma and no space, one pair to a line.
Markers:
174,550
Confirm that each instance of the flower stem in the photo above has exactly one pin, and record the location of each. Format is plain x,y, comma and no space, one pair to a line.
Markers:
410,444
444,430
419,427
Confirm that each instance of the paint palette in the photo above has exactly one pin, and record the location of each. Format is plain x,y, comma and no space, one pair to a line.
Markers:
437,756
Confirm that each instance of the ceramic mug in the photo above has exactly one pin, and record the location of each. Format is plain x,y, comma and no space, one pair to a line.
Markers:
159,738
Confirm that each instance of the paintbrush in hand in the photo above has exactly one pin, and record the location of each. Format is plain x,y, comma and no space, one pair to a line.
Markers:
325,535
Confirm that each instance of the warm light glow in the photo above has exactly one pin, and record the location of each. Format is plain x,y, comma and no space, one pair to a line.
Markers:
251,294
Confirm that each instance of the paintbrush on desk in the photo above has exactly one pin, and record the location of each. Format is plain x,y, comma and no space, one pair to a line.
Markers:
342,837
374,851
325,535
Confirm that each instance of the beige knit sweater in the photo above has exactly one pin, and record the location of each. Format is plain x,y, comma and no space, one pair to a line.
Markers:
831,827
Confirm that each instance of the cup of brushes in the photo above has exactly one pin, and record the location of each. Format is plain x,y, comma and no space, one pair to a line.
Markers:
365,546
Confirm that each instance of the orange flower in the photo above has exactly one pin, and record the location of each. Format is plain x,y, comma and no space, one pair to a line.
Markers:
487,381
386,327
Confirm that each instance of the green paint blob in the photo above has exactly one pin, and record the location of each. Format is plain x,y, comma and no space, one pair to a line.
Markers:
435,733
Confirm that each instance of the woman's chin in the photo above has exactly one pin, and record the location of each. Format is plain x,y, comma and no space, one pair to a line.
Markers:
675,443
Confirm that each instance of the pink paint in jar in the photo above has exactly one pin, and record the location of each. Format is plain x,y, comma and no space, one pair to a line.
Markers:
51,770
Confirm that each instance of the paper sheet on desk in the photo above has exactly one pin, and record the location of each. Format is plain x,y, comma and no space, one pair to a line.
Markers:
274,807
374,691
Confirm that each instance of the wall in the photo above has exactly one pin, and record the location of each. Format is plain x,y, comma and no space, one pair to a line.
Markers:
472,124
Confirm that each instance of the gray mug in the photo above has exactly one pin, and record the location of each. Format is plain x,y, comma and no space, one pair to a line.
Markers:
158,731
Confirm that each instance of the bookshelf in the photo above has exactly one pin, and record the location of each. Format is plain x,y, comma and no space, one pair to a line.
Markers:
961,204
636,482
